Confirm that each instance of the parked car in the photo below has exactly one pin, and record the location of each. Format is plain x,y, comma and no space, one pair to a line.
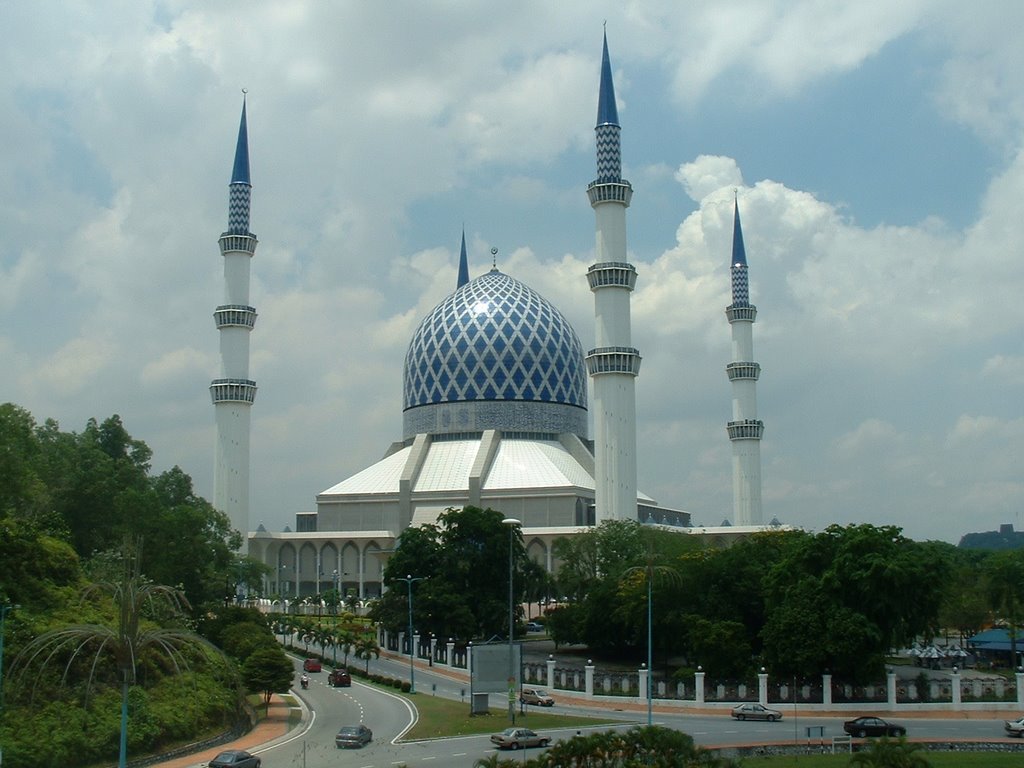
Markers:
311,665
534,626
514,738
873,726
339,678
353,736
752,711
1015,727
536,696
235,758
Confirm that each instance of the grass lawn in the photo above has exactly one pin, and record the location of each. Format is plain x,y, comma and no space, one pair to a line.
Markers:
935,759
444,717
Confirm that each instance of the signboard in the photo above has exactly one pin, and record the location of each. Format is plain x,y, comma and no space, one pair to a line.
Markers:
491,668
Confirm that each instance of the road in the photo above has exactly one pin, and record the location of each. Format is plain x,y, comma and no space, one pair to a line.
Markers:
390,716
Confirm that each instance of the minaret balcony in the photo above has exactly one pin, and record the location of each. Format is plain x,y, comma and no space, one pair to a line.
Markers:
233,391
745,429
231,242
235,315
746,312
740,371
613,360
612,274
610,192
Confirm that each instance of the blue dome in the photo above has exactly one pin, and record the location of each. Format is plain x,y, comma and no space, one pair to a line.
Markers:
495,339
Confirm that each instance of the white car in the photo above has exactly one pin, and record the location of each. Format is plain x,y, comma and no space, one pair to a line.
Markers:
1015,727
756,712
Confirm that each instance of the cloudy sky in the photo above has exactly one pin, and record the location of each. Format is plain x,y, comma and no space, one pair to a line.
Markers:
875,148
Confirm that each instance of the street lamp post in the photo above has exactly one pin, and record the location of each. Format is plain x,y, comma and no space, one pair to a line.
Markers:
412,668
511,522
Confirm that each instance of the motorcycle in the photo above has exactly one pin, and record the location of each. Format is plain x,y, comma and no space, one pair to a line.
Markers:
305,682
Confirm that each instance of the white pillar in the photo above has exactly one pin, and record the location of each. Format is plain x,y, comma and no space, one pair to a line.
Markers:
890,684
698,686
826,690
762,687
645,680
588,672
551,671
956,689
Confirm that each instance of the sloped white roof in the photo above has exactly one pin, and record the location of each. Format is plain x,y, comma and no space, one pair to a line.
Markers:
535,464
381,477
446,466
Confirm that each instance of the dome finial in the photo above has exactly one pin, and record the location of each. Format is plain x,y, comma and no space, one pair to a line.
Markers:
463,262
494,258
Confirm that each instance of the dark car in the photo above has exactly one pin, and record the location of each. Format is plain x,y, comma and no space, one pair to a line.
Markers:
514,738
752,711
873,726
311,665
339,678
353,736
235,758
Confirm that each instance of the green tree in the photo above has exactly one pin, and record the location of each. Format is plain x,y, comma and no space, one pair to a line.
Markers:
366,648
843,598
268,671
1004,583
465,560
126,641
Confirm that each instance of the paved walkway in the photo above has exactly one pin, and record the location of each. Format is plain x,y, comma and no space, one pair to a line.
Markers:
271,728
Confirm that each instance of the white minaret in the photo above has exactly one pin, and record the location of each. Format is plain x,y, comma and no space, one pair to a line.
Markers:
745,429
614,363
233,393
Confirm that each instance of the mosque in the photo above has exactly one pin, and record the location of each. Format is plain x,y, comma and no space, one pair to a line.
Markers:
495,408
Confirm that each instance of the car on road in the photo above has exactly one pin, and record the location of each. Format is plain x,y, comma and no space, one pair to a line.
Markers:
1015,727
534,626
235,758
514,738
339,678
873,726
754,711
353,736
311,665
536,696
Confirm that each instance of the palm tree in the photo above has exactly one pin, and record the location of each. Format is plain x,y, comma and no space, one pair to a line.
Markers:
366,648
134,597
347,639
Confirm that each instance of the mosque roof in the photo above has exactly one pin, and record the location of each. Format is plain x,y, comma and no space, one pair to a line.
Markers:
495,339
517,464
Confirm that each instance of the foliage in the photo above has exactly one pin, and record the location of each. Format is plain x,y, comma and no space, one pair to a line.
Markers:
92,489
268,671
890,753
128,637
841,599
465,559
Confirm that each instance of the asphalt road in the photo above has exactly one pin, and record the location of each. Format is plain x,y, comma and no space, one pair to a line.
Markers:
390,716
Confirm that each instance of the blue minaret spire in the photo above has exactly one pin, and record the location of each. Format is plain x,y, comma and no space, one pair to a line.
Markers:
234,392
241,186
613,363
745,429
463,263
740,286
609,153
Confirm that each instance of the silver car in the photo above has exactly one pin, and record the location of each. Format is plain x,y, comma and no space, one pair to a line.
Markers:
756,712
1014,727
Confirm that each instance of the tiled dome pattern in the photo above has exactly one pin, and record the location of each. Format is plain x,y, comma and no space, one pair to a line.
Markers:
494,339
